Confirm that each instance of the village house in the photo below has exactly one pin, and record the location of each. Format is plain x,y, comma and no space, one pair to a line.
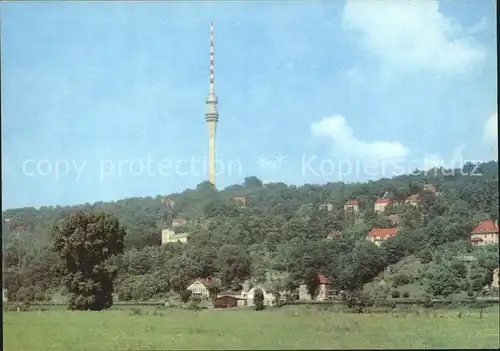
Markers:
378,235
178,222
327,207
380,204
323,293
242,200
413,200
169,236
486,233
269,297
205,288
333,234
395,218
352,205
238,297
430,188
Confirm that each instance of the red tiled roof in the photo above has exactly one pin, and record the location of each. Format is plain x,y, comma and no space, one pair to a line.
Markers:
383,232
413,198
383,200
486,227
334,233
322,279
352,202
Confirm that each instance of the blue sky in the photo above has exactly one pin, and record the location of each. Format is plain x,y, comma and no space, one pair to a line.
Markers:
302,87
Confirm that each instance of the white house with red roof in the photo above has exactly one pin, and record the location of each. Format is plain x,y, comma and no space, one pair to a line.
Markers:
413,199
485,233
202,287
351,205
380,204
379,235
322,294
333,234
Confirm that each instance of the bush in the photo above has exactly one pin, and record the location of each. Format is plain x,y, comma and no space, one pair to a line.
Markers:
194,304
406,294
395,294
185,295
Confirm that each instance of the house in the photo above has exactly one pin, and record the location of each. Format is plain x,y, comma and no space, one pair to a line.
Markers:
225,301
333,234
380,204
395,218
378,235
323,293
269,297
486,233
327,207
413,199
203,287
352,205
431,188
178,222
494,283
169,236
239,298
242,200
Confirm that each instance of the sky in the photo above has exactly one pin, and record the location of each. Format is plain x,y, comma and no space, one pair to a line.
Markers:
104,101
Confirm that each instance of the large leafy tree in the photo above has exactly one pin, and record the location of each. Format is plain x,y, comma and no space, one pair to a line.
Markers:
85,241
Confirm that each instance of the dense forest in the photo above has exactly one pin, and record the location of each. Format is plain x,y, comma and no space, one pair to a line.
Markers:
279,237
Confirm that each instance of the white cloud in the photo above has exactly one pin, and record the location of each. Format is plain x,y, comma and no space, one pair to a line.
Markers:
343,140
491,129
409,35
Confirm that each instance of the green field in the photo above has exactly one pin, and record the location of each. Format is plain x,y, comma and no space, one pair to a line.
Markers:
289,327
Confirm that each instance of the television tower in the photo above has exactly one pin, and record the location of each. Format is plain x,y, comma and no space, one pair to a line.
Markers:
211,116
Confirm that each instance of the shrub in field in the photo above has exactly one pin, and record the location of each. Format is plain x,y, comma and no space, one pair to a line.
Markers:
86,242
185,295
395,294
194,304
406,294
258,300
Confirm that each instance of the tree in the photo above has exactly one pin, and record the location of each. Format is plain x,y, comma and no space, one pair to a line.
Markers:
85,241
258,299
185,295
311,280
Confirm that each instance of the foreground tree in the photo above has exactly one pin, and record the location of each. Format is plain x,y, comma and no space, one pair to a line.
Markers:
85,242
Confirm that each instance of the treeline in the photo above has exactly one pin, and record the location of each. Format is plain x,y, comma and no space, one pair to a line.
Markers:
279,237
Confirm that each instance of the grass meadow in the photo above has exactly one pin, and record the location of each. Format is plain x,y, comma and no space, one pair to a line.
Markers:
290,327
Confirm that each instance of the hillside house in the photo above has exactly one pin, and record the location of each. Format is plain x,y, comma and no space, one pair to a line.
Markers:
352,205
333,234
205,288
241,200
379,235
413,199
486,233
323,293
178,222
169,236
395,218
494,283
327,207
380,204
269,297
430,188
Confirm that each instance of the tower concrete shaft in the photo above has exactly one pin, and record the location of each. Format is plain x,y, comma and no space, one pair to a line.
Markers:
211,116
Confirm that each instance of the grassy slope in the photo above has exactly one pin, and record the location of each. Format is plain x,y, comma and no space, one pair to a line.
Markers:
291,328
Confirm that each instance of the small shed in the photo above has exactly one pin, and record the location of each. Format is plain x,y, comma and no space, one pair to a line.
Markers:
225,302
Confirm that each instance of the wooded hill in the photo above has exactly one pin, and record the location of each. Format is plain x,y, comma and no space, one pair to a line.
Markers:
279,237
